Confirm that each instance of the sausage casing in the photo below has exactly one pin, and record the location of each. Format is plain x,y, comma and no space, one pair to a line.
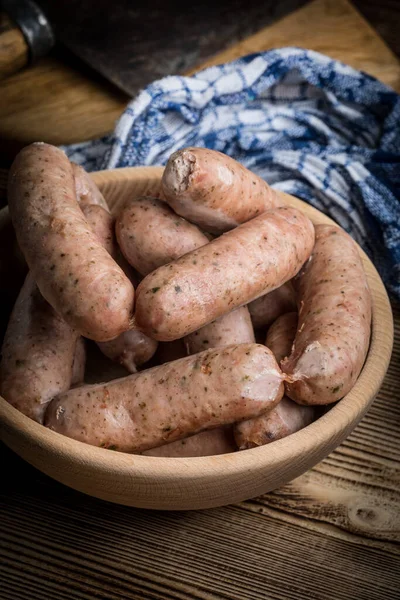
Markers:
86,190
283,420
213,190
287,417
205,443
230,271
266,309
79,364
281,334
150,234
37,354
74,273
131,349
233,328
172,401
102,224
334,321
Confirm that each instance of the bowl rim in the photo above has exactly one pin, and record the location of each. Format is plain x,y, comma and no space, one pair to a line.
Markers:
334,425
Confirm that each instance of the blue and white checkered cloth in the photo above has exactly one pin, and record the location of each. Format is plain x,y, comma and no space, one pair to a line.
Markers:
310,126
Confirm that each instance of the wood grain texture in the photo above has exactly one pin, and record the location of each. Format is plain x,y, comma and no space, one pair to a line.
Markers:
181,484
58,103
325,536
14,52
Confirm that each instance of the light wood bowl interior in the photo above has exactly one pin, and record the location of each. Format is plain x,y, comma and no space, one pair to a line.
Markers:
193,483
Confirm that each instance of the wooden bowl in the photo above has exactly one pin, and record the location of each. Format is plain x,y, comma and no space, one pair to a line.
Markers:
193,483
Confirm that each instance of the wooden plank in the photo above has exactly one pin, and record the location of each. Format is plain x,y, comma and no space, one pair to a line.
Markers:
57,103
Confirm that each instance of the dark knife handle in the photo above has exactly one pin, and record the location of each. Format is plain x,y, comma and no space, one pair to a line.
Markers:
25,35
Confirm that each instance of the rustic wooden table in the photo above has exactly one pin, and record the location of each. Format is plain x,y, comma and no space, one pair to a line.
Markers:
332,533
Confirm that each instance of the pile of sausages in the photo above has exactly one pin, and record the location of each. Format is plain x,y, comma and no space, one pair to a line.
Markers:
187,282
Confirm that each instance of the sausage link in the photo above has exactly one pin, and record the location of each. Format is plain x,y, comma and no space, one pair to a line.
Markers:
233,328
37,354
150,235
79,364
86,190
205,443
170,402
281,334
287,417
102,224
131,348
74,273
334,321
213,190
283,420
266,309
232,270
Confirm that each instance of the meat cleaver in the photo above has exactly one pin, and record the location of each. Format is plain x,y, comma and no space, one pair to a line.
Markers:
131,43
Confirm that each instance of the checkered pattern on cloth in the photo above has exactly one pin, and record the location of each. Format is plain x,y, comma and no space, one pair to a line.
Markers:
310,126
